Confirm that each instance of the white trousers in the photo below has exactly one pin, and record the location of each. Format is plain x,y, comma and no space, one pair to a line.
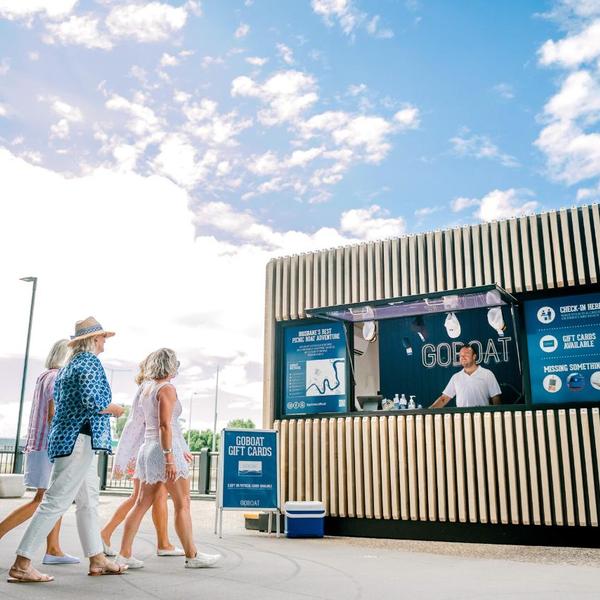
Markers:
74,477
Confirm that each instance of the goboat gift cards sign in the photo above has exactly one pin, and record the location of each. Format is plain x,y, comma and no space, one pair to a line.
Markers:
563,341
249,469
315,369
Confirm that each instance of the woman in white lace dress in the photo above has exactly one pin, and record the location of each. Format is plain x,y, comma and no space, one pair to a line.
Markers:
124,462
163,459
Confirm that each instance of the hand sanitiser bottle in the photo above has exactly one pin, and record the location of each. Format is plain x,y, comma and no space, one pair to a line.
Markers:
396,402
403,402
411,403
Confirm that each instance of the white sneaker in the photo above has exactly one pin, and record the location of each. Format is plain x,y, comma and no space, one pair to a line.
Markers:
108,551
201,560
131,562
176,551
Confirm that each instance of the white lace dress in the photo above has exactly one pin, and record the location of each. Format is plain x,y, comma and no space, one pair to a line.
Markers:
150,467
132,437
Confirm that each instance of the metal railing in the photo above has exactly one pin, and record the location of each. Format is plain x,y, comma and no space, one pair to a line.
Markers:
203,472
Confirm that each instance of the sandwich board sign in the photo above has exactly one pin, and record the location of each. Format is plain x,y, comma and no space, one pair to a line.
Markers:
248,477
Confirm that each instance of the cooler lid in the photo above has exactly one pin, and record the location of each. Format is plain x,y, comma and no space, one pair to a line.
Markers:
305,506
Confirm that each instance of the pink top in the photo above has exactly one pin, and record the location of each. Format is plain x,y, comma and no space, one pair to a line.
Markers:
37,436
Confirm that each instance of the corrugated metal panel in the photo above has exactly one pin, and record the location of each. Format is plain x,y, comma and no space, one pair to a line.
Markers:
283,459
557,246
497,275
486,253
341,467
291,485
533,477
376,467
350,467
339,276
285,288
481,467
578,250
363,294
554,468
387,269
566,466
396,289
348,275
316,286
439,261
392,424
449,258
450,468
595,216
278,289
566,249
536,257
477,256
526,254
404,271
589,243
431,284
333,469
515,247
458,258
547,250
359,481
470,467
459,457
577,468
327,281
316,453
500,467
308,460
413,272
403,468
355,251
367,466
488,436
411,445
371,274
422,263
269,347
384,456
421,466
379,274
301,286
513,490
308,281
507,278
300,460
324,448
543,466
440,467
586,435
522,468
468,256
294,287
431,474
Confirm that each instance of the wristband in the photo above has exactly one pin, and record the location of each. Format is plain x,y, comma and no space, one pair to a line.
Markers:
167,451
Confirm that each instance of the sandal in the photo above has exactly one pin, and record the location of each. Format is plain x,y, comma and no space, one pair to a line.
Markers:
107,570
29,575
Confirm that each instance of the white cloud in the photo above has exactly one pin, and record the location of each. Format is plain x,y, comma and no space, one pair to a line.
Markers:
498,204
349,18
588,194
25,9
426,211
4,66
242,31
143,119
504,90
287,93
357,89
372,223
480,146
408,117
3,110
257,61
33,56
82,31
67,111
573,50
286,54
148,22
368,132
168,60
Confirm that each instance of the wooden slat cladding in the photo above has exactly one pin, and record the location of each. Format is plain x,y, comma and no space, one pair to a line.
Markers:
535,252
520,467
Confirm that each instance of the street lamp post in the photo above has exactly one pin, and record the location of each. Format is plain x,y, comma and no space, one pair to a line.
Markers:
214,437
17,460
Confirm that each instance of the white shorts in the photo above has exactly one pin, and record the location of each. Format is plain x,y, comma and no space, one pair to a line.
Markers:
37,469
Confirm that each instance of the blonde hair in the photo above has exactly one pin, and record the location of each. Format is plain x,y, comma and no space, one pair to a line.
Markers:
87,344
57,356
161,364
143,366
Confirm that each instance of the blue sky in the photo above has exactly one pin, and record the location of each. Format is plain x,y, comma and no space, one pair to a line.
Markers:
209,136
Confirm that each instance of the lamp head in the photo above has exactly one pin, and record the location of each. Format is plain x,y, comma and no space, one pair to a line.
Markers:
28,279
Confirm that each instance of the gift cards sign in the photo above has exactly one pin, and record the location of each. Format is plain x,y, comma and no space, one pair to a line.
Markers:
563,343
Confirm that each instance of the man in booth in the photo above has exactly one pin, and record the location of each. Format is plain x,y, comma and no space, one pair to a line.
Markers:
473,386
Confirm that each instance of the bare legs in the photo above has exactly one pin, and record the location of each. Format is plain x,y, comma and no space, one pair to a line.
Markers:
24,513
160,516
180,493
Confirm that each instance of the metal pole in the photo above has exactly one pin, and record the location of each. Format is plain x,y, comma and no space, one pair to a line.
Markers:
16,462
214,437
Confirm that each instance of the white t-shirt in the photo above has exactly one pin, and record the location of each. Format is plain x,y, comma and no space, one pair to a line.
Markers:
472,390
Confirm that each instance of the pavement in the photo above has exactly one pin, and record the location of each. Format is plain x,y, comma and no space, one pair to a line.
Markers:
258,566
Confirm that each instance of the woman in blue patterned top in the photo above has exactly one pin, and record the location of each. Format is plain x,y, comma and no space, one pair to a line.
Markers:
80,429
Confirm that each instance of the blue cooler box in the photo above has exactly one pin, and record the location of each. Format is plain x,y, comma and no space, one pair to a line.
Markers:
304,519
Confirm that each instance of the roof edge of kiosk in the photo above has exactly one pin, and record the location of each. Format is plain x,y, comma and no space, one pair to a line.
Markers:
531,253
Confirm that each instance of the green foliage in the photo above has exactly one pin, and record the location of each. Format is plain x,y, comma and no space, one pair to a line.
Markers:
197,440
120,423
241,424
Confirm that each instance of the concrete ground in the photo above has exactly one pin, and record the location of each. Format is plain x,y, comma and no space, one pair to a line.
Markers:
256,566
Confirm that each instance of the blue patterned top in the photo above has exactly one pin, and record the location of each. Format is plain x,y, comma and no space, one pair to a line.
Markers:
81,391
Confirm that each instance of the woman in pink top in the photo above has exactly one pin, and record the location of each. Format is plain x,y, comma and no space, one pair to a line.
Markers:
37,464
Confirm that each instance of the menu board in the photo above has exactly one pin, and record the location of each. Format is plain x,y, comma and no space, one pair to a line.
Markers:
315,369
563,343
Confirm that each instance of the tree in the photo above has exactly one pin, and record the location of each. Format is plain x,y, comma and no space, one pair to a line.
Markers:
197,440
241,424
120,422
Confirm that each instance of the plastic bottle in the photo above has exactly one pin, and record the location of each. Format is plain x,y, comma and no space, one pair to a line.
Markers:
403,402
411,403
396,401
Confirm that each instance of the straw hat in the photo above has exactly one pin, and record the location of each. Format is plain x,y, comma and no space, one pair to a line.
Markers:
88,328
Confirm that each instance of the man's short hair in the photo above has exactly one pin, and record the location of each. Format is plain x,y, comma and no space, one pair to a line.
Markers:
471,347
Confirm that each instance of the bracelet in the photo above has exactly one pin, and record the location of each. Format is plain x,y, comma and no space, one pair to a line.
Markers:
167,451
169,463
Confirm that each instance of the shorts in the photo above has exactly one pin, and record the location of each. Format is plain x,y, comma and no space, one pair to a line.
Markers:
37,469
